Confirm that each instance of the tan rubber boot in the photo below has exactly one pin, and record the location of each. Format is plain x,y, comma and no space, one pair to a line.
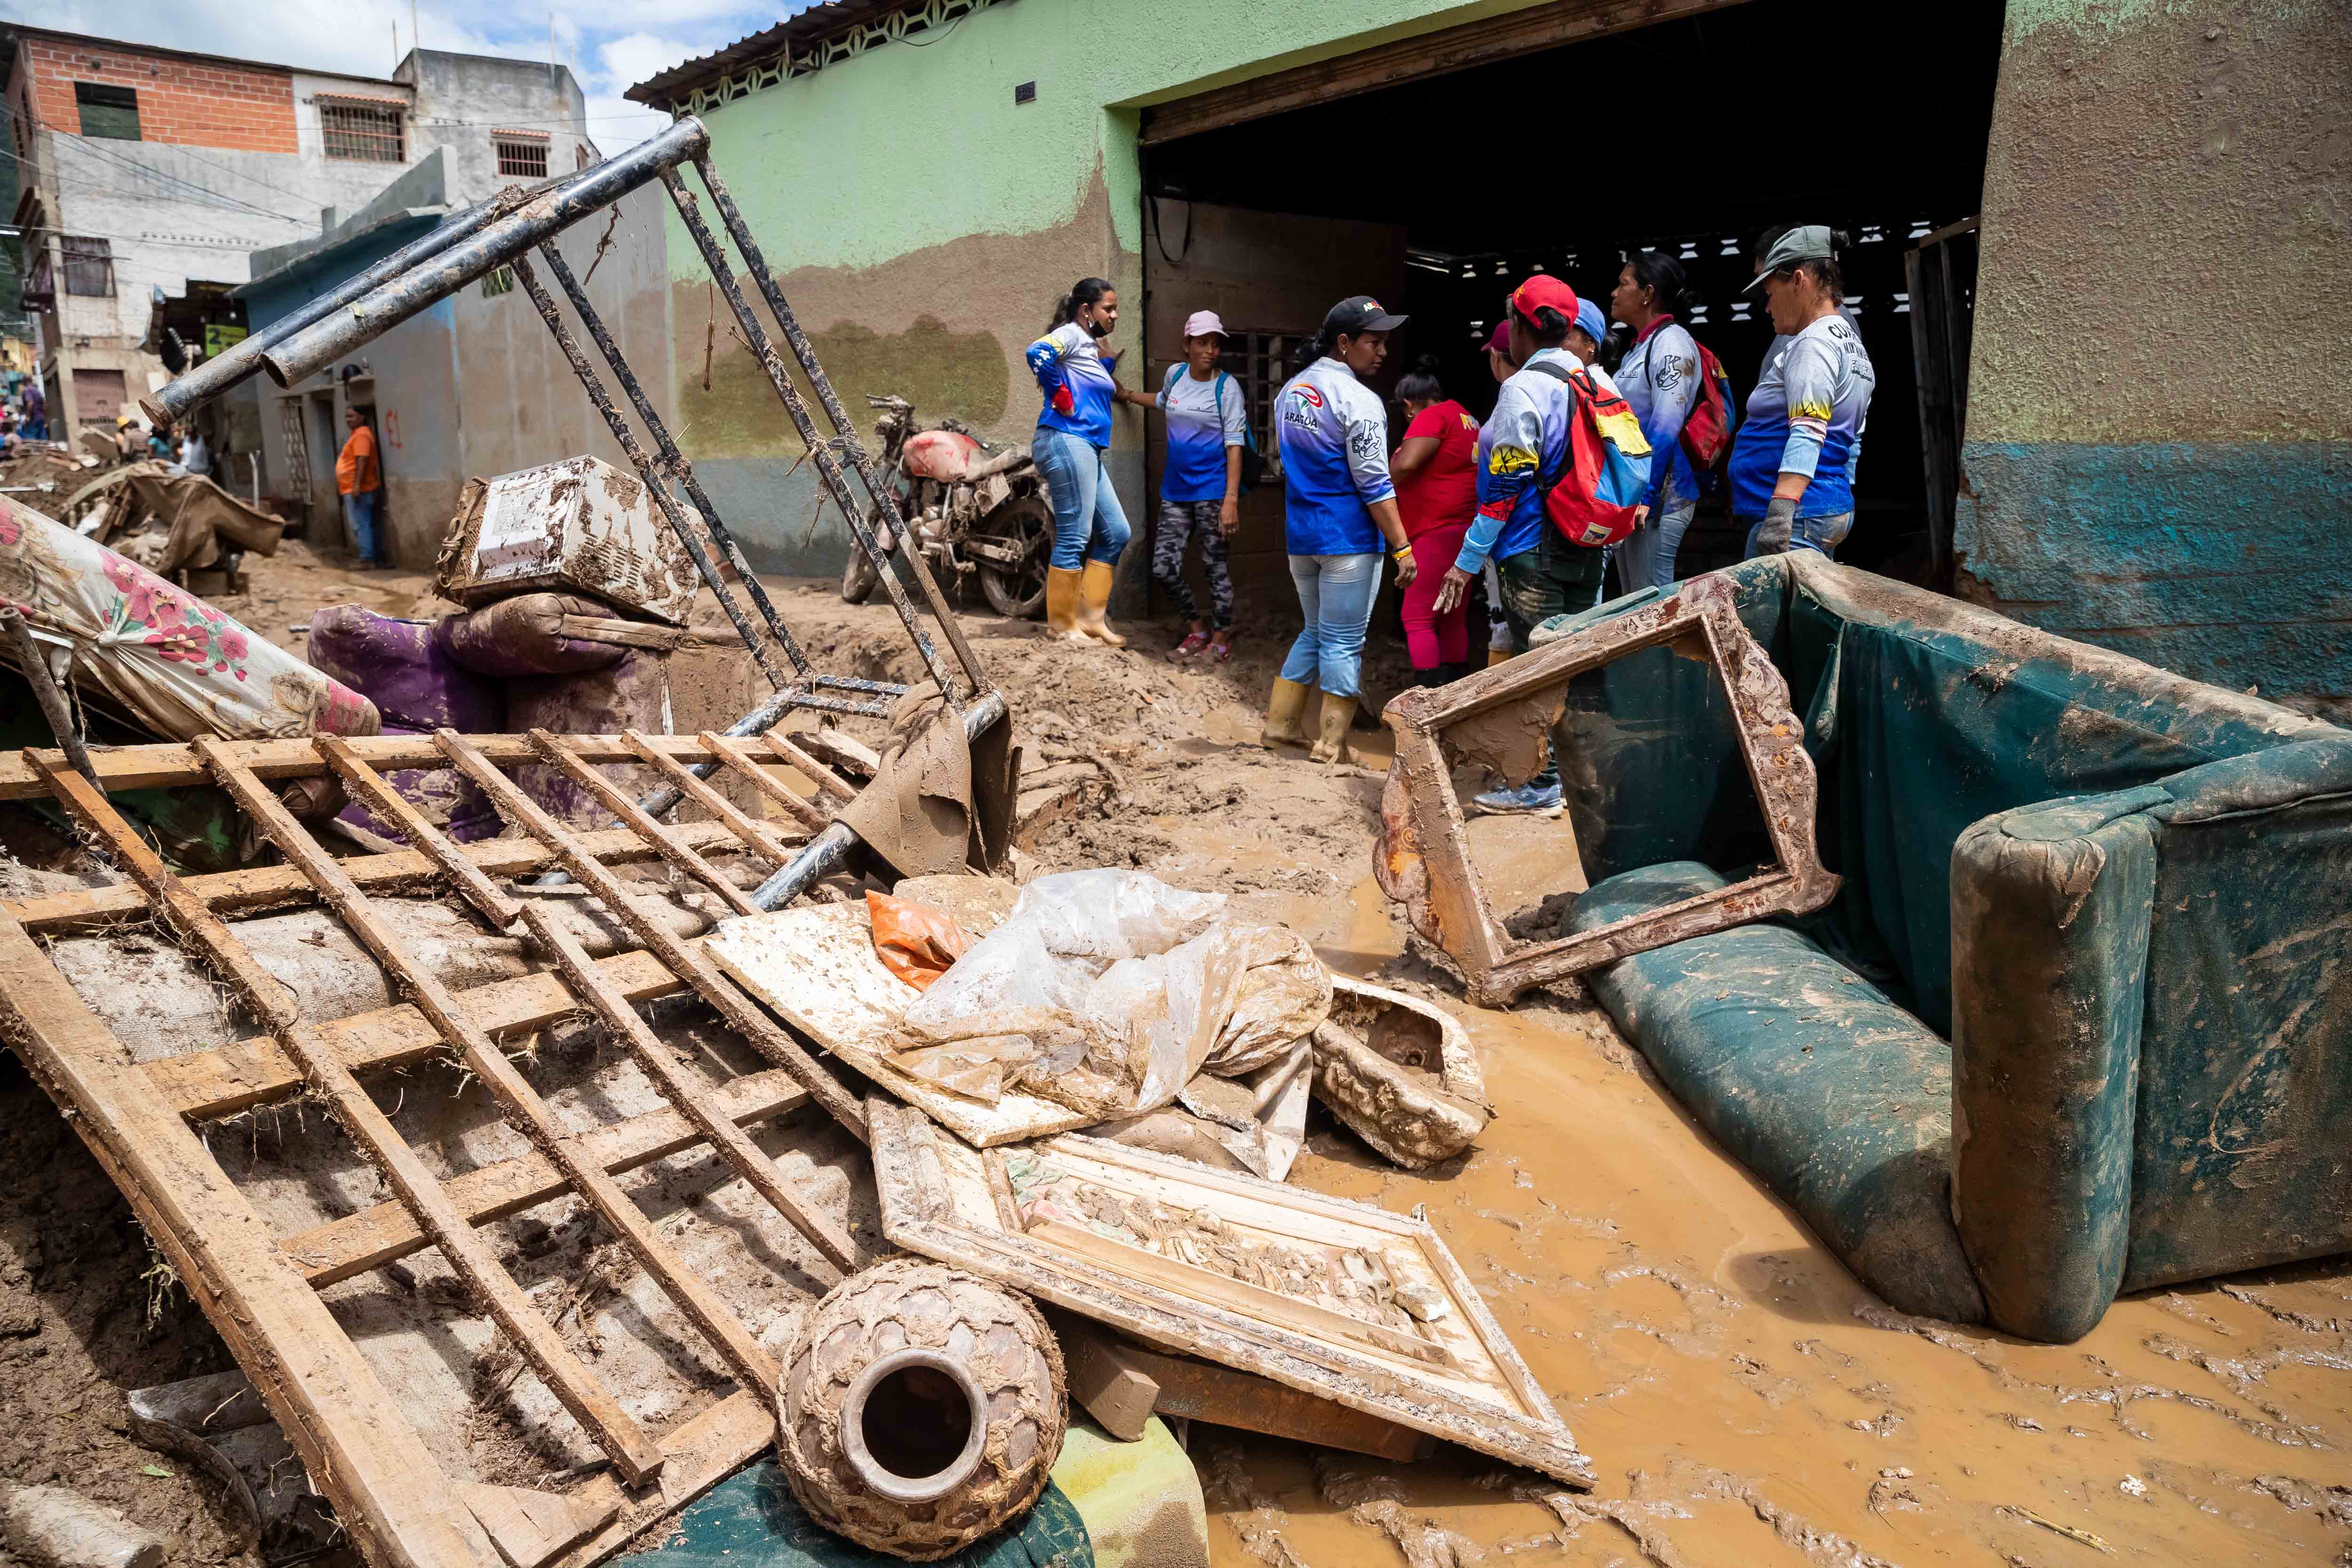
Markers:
1332,746
1061,605
1094,603
1495,656
1285,712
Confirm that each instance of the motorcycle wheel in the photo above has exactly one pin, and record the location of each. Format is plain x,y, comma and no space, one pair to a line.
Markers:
859,578
1018,592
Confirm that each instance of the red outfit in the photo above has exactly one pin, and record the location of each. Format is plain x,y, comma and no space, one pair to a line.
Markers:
1437,502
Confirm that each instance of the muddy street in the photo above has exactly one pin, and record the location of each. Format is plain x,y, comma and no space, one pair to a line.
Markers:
1743,1399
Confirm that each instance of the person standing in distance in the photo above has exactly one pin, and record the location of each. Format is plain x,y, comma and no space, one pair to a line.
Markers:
1201,485
1659,379
1340,506
360,480
1792,461
1090,529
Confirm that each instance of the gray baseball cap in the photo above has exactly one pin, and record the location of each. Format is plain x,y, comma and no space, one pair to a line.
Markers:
1806,242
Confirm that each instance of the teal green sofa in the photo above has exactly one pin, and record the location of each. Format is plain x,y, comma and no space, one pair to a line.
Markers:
2080,1018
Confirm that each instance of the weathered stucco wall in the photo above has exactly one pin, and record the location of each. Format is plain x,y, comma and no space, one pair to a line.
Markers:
922,224
2160,394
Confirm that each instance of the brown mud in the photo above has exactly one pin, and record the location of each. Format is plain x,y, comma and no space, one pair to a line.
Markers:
1743,1399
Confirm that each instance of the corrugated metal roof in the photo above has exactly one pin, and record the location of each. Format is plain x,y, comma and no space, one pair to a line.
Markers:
813,23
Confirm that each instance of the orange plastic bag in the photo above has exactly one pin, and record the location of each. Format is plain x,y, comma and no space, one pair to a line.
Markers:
914,942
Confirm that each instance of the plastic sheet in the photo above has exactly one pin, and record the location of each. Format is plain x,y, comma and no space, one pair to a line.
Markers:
914,942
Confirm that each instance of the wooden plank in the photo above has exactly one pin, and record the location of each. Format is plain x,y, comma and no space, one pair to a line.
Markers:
387,1486
1238,1295
167,765
623,805
227,1079
755,835
703,1451
526,1112
530,1527
1203,1391
386,802
684,961
271,887
844,752
1508,36
368,1126
826,781
734,756
740,1155
350,1246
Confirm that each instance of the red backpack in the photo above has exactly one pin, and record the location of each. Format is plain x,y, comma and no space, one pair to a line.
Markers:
1592,499
1714,412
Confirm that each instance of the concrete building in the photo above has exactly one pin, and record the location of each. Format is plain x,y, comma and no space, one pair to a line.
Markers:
927,175
476,385
151,176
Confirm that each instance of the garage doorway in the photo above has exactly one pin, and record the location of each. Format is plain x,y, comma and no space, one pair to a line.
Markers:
1690,136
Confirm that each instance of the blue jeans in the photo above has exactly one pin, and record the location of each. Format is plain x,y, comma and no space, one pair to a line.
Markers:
1821,535
1088,524
361,507
1336,594
1645,558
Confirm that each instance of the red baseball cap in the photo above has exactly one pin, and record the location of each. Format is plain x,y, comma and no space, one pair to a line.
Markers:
1499,340
1540,290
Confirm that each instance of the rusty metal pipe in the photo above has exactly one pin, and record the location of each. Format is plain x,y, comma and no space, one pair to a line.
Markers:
653,478
886,500
420,287
828,467
672,461
241,361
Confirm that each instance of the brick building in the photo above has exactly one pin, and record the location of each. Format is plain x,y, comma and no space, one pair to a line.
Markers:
149,177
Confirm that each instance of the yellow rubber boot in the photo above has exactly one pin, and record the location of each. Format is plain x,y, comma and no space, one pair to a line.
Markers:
1331,743
1286,712
1495,656
1094,603
1062,604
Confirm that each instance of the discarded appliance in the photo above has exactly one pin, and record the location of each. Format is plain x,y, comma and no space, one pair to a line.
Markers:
1501,717
923,1408
1338,1299
578,526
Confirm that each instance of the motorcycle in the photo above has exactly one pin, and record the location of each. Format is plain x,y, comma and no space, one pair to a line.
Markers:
972,508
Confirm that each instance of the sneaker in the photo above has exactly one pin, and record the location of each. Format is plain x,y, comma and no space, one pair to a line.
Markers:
1193,644
1527,800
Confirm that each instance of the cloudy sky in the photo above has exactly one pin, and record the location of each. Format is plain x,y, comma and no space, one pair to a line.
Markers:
608,45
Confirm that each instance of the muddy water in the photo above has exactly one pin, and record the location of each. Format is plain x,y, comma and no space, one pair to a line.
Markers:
1743,1401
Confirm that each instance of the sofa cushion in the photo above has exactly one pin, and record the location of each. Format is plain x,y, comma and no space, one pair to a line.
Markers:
1837,1099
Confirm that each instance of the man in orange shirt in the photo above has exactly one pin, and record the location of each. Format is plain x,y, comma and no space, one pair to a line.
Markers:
361,480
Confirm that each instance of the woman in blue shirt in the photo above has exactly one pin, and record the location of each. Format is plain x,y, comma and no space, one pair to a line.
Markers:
1072,433
1201,485
1792,461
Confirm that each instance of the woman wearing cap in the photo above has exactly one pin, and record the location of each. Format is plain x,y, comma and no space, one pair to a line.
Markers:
1201,485
1340,507
1072,433
1659,380
1436,475
1792,461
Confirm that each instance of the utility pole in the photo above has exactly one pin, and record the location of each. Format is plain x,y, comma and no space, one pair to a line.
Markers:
415,37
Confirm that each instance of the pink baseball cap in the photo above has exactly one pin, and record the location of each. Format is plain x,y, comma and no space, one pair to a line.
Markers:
1499,340
1200,323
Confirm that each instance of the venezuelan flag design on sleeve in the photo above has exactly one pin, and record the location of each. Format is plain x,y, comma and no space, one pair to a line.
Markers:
1079,388
1811,403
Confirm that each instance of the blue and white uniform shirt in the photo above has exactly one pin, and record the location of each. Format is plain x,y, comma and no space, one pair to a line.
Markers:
1521,448
1807,416
1335,460
1078,389
1204,417
1658,378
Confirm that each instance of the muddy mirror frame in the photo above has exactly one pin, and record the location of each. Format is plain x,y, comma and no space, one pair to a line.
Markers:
1424,857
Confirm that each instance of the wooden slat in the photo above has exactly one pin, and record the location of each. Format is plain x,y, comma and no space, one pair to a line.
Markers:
843,751
526,1112
623,805
734,756
754,835
358,1115
385,1233
740,1155
360,1449
227,1079
270,886
388,803
687,962
826,781
167,765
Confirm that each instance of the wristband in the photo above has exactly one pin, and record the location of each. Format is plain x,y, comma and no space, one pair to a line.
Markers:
1401,554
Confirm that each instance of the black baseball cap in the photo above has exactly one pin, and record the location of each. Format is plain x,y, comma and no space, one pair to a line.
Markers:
1358,314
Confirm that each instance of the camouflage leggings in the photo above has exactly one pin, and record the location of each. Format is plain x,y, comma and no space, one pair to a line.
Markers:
1179,520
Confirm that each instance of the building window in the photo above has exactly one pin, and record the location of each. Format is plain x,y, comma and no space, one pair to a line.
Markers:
364,132
90,266
1261,362
585,156
522,153
109,111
